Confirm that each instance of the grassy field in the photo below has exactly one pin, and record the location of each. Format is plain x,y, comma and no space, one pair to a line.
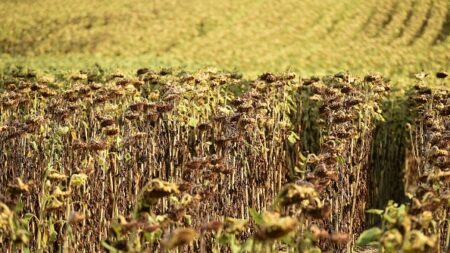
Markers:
225,126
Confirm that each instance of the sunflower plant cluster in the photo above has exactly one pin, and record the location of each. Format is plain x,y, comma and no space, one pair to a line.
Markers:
421,224
427,178
338,123
195,162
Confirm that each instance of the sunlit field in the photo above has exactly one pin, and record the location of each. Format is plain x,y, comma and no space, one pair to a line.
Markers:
225,126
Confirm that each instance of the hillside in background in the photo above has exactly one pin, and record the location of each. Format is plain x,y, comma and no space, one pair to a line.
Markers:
394,38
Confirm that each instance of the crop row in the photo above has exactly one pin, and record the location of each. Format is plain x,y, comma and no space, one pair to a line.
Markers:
164,159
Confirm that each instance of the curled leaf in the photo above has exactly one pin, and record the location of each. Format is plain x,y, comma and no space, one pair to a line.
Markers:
368,236
158,189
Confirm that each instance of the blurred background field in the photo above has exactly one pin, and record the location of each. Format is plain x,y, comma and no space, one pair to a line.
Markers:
393,37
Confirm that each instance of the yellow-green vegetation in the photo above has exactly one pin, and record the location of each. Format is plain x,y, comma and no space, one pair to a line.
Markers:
402,231
309,37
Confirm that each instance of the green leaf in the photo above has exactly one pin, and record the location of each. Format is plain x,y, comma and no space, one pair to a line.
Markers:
302,157
402,212
27,217
369,236
375,211
127,157
152,236
289,240
34,145
78,179
52,232
193,122
63,130
293,138
247,246
234,246
109,247
257,217
340,159
158,234
18,207
315,250
117,229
